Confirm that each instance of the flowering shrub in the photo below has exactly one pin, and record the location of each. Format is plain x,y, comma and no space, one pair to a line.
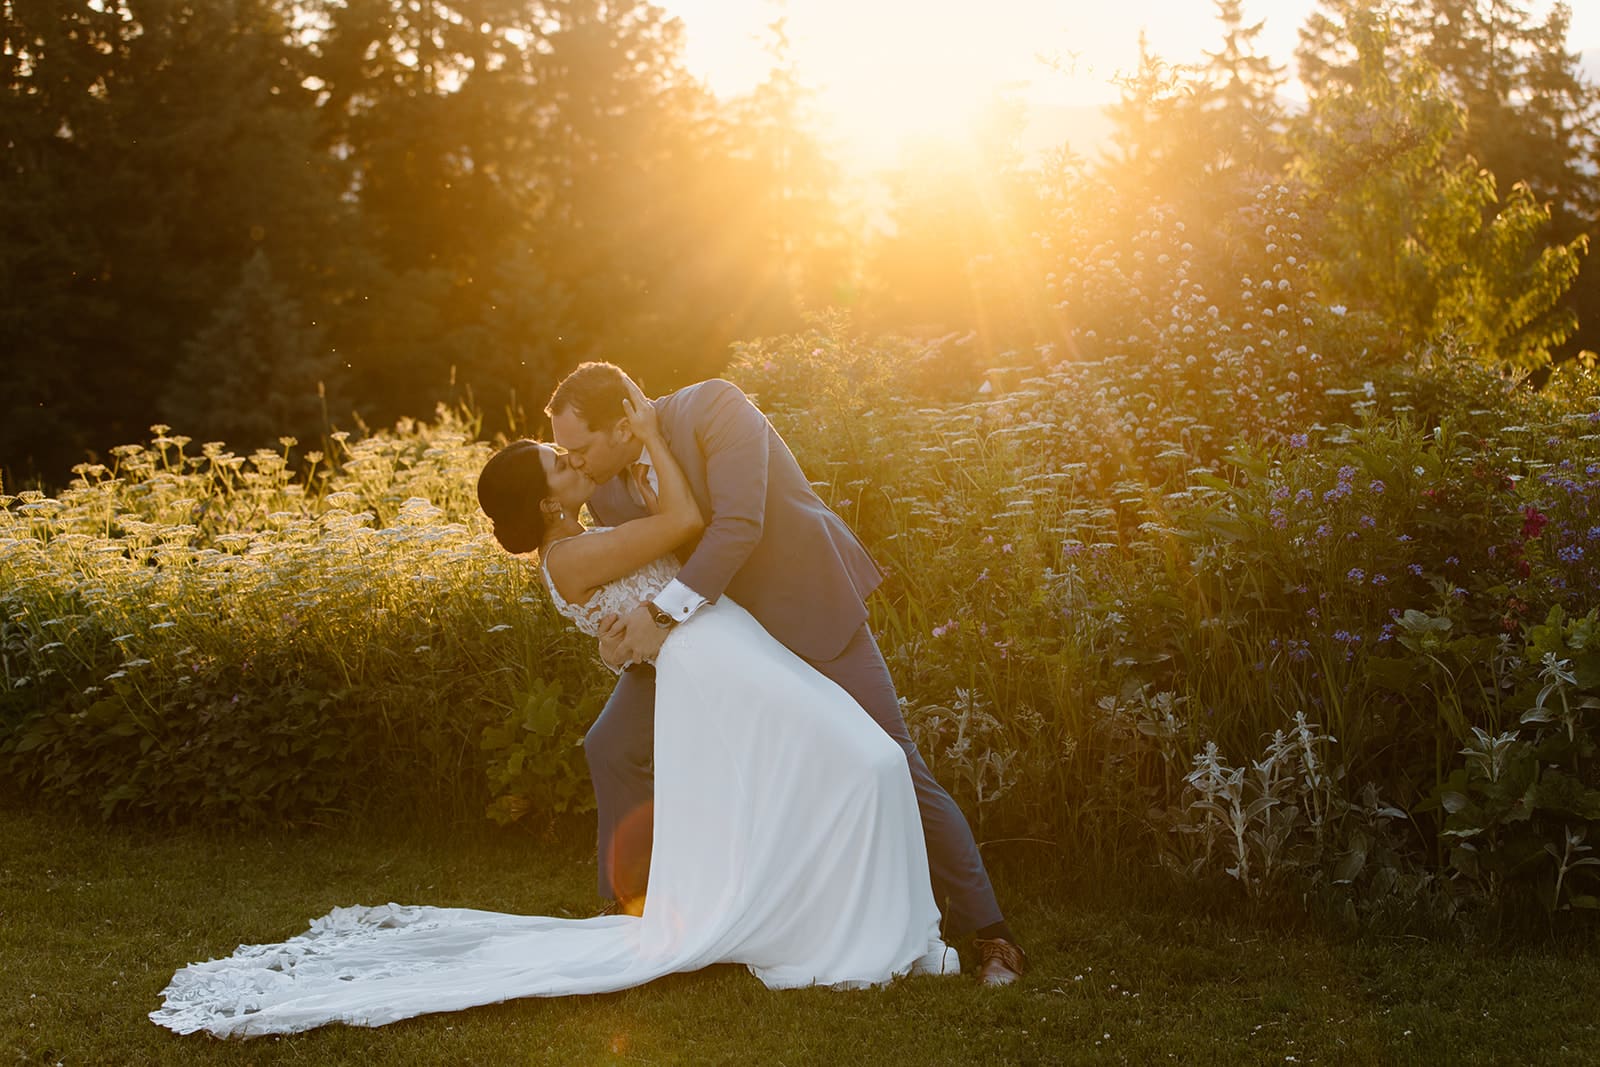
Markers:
1198,587
1075,538
207,635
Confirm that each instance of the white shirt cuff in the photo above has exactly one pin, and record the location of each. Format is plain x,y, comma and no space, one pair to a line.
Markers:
678,600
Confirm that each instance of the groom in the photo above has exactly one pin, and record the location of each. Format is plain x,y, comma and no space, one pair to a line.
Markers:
775,547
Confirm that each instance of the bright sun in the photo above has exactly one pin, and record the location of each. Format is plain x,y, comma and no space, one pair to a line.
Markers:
888,72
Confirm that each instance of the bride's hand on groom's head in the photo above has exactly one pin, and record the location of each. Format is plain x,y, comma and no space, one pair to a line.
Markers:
640,412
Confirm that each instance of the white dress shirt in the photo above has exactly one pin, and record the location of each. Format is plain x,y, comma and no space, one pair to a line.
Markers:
677,599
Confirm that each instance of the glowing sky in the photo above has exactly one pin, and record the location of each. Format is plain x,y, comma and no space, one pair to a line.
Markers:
893,68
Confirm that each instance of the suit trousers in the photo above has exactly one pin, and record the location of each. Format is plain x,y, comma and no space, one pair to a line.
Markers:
620,744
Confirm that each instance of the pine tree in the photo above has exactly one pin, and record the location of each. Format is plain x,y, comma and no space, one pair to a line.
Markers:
255,371
1241,102
159,146
788,182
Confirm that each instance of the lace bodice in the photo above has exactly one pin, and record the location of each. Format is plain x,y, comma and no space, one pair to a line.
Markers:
618,597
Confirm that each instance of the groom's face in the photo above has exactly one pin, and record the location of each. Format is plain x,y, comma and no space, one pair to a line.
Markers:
601,452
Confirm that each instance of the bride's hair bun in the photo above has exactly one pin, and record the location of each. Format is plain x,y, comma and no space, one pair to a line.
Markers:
511,487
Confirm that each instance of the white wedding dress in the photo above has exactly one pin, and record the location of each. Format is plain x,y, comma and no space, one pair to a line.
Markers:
787,839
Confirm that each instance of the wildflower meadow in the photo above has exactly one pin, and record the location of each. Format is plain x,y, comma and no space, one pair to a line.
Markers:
1196,597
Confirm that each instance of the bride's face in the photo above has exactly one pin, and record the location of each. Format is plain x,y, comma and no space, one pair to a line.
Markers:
568,485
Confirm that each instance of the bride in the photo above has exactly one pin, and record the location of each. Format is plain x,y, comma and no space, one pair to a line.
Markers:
787,834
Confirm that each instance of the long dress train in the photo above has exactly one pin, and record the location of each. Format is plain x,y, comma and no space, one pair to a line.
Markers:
787,839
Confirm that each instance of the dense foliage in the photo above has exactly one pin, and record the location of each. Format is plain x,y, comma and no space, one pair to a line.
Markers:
273,217
1231,537
1196,595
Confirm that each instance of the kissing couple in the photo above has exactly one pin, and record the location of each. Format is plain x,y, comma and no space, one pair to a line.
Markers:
760,800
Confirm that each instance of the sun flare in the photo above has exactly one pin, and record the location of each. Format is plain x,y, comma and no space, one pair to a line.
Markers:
889,72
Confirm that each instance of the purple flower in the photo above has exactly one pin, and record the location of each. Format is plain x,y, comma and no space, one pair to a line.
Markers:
1415,569
1376,487
1324,530
1298,440
1403,538
1357,574
1303,496
1594,533
1569,553
1281,493
1380,579
1452,561
1279,520
1387,633
1346,473
1368,521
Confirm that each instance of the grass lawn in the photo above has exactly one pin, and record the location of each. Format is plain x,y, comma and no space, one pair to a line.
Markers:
94,920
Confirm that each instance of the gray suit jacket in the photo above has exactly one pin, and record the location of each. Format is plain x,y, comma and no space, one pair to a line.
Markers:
770,542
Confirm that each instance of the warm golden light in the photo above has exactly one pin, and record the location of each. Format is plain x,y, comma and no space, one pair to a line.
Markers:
891,71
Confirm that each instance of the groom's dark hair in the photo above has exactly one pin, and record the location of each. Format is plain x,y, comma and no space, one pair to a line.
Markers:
594,391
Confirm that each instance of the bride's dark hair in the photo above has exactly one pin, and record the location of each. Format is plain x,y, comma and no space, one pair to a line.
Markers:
511,487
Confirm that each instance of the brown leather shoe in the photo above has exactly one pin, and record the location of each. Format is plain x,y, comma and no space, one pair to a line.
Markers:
999,961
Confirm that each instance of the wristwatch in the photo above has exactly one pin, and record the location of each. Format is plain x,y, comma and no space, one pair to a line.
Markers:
663,620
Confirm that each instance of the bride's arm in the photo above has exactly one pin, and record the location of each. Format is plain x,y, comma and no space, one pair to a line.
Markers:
580,565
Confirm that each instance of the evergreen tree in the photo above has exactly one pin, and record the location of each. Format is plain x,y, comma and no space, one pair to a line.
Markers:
1157,150
158,146
256,370
1244,119
788,181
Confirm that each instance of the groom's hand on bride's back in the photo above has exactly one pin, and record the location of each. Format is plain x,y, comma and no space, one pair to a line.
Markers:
610,635
637,635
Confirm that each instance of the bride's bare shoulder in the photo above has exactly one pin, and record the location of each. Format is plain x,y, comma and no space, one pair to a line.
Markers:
563,567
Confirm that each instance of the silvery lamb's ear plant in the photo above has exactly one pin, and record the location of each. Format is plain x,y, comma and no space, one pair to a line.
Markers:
1285,816
1519,809
968,748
